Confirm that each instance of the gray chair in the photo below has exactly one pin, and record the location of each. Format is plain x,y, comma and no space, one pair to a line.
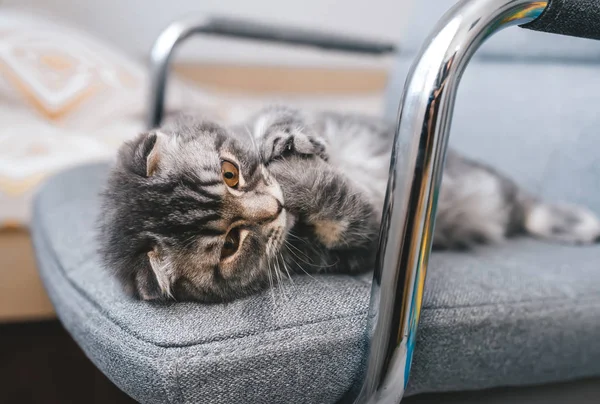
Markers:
525,313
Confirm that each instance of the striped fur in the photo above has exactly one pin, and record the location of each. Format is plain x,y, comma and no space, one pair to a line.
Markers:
309,199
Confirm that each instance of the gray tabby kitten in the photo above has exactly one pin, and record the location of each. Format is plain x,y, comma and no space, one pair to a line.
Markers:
199,211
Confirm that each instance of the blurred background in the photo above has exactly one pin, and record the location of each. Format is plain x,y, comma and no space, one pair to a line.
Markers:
133,25
73,86
237,66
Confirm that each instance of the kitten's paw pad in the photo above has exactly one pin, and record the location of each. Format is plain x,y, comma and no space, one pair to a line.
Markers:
286,131
286,141
564,223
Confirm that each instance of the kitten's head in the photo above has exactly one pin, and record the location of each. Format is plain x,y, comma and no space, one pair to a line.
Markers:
191,213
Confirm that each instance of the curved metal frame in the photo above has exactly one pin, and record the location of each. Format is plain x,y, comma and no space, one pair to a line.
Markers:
416,167
422,131
179,31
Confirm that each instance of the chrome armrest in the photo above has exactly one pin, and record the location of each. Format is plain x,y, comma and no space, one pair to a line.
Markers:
179,31
422,129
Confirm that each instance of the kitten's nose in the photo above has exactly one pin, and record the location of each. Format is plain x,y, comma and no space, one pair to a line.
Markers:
260,207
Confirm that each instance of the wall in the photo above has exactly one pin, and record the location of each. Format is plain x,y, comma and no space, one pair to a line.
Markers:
134,24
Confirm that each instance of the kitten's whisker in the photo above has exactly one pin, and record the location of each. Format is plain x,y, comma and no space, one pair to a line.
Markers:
286,268
321,266
291,234
320,281
300,239
289,245
298,251
279,280
303,270
272,289
306,272
187,242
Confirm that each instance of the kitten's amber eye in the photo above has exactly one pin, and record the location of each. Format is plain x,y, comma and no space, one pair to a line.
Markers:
231,174
232,243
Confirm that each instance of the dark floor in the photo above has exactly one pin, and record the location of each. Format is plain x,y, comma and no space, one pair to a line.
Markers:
40,363
573,392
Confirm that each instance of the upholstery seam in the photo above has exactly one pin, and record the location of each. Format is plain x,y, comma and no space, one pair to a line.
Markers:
334,330
178,378
517,303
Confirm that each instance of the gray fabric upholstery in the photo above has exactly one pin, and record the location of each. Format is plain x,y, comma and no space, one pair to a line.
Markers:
510,315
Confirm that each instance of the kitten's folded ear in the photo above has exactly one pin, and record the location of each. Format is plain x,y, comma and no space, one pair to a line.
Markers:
153,282
143,154
146,285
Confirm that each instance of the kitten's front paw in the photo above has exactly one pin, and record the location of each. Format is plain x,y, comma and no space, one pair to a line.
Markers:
284,132
285,142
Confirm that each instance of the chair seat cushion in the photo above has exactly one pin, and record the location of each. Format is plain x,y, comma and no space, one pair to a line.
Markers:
521,313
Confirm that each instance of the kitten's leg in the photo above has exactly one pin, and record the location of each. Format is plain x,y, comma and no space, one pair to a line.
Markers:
284,131
569,224
477,205
337,226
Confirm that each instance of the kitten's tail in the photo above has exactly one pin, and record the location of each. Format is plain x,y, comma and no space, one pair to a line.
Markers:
563,223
